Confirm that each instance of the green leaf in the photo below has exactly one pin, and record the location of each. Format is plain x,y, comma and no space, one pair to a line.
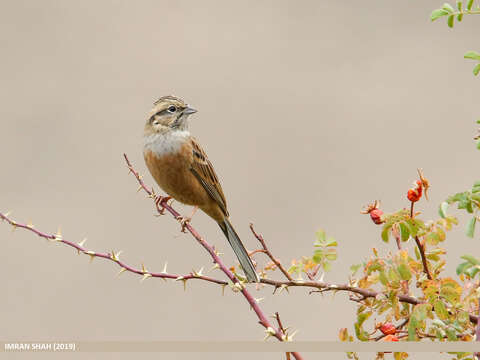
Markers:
417,253
450,21
476,69
404,232
362,317
385,232
442,210
469,4
463,317
440,310
472,55
321,236
354,268
471,227
331,256
476,187
437,14
472,260
331,242
412,325
459,5
318,257
478,144
462,267
451,334
404,272
460,17
433,238
448,7
383,278
471,272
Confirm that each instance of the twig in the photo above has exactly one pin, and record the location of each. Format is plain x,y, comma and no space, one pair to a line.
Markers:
113,256
367,293
269,254
282,329
421,248
237,284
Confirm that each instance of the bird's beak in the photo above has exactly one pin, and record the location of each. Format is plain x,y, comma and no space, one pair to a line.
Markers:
189,111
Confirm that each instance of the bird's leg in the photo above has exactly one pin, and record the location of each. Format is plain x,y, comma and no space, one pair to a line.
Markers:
159,203
185,220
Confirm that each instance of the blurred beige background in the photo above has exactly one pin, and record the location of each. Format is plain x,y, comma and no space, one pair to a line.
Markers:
308,110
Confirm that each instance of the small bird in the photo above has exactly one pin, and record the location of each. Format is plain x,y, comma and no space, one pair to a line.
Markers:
181,168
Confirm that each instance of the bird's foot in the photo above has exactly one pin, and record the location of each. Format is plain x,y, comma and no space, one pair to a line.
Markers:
183,222
160,202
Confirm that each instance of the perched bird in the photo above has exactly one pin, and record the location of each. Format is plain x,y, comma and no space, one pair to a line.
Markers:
181,168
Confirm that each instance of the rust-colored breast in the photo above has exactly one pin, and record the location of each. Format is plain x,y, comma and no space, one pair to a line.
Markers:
172,173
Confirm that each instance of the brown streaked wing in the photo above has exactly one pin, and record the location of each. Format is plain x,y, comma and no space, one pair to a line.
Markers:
203,170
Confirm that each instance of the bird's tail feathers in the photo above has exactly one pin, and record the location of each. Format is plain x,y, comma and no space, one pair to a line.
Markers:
239,250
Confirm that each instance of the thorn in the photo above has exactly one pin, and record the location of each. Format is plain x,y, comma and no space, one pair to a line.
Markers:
164,271
237,287
58,235
290,337
223,289
14,226
197,273
91,254
145,276
270,332
7,213
139,188
122,270
283,287
184,285
216,266
144,269
81,243
115,256
29,224
257,300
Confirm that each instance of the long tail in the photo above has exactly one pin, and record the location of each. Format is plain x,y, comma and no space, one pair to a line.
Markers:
239,251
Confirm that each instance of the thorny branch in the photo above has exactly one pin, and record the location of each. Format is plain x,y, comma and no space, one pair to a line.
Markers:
282,329
269,254
421,247
113,256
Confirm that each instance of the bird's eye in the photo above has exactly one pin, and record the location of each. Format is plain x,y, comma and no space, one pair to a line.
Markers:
172,109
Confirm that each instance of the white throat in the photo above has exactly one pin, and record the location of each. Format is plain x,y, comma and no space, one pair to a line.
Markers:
161,144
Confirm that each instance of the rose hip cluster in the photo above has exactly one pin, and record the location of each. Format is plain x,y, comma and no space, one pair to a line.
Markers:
414,194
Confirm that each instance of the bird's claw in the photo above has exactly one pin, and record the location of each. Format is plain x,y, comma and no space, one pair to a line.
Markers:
184,221
160,202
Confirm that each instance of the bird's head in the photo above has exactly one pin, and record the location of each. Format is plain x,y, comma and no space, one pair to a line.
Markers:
169,113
